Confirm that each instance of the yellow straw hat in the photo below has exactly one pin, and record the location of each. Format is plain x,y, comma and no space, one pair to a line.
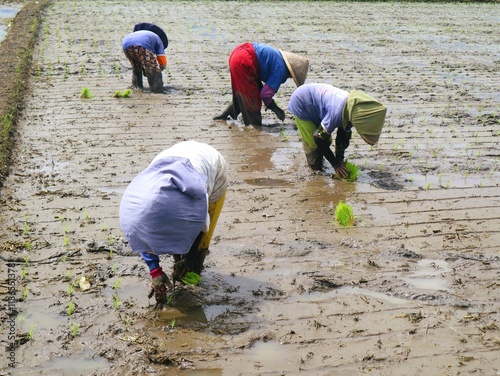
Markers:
297,65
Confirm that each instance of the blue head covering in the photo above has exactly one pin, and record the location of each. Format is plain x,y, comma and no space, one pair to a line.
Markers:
164,207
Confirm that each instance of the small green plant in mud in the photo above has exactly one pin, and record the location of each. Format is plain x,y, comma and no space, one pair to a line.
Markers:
116,301
71,308
122,94
169,298
66,241
28,245
117,69
74,329
24,272
115,268
105,227
117,284
20,317
172,324
344,214
191,279
29,335
64,257
111,240
25,293
447,184
428,186
83,71
26,260
70,289
86,93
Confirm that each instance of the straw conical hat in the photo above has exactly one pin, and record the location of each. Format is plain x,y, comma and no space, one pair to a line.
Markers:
297,65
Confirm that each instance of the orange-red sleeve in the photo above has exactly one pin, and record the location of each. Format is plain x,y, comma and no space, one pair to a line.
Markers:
162,60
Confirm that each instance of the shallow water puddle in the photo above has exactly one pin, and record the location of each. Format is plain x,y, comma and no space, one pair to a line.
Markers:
39,317
87,361
267,352
427,275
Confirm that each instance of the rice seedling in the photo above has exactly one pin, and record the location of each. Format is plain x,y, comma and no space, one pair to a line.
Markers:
64,257
28,245
172,324
70,289
344,214
169,298
105,227
71,308
26,260
122,94
25,293
86,93
117,302
117,284
111,240
447,184
191,279
66,241
115,267
74,329
117,69
29,335
24,272
20,317
428,186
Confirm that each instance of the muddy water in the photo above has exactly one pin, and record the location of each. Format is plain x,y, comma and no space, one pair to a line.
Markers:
286,290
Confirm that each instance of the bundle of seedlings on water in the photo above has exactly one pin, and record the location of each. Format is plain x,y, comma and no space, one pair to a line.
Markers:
122,94
191,279
353,171
344,214
86,93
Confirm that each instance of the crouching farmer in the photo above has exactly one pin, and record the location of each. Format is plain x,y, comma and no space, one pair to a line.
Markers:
172,207
145,49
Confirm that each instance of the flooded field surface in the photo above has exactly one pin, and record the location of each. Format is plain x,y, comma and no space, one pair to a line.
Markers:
411,289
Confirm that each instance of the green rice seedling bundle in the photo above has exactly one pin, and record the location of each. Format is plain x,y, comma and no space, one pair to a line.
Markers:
191,279
122,94
86,93
344,214
353,171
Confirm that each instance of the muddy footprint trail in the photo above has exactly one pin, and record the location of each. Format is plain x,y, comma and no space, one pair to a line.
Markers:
411,289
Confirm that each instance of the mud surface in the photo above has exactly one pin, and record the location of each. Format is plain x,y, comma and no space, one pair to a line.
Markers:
411,289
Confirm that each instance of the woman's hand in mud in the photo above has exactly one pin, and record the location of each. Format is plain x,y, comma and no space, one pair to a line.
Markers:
342,172
161,284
